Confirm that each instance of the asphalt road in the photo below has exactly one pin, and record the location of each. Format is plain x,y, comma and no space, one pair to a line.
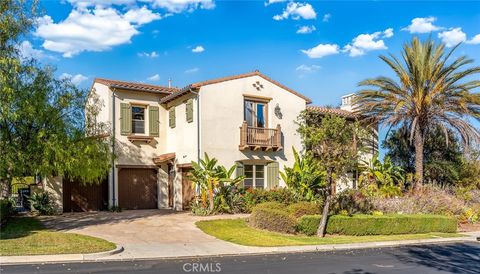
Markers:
440,258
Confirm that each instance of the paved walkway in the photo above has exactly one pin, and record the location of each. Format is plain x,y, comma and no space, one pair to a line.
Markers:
147,234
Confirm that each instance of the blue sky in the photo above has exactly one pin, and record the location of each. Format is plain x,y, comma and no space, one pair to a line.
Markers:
191,40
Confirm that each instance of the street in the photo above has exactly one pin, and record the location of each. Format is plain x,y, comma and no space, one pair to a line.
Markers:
438,258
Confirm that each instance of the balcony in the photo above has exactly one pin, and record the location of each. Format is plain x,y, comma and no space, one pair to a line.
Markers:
257,138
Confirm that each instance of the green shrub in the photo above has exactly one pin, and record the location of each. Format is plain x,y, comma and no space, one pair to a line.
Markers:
272,219
353,202
249,198
308,224
359,225
390,224
6,210
299,209
42,202
271,205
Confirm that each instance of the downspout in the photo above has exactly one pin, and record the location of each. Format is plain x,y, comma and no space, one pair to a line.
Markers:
198,127
113,149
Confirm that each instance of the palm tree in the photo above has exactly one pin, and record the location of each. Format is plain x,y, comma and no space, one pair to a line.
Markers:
430,90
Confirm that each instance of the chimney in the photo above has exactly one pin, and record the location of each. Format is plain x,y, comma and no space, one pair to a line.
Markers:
347,102
169,82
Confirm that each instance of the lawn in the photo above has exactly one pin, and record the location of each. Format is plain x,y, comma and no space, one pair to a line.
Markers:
237,231
27,236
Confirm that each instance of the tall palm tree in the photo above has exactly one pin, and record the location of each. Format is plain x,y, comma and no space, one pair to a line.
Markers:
429,90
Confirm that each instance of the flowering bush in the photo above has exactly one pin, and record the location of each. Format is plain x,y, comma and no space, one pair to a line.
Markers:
429,200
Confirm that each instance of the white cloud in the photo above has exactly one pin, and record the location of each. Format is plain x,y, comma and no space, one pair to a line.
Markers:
154,78
141,16
308,69
192,70
76,79
296,11
306,29
388,33
198,49
322,50
152,54
326,17
452,37
178,6
475,40
27,51
95,29
367,42
269,2
422,25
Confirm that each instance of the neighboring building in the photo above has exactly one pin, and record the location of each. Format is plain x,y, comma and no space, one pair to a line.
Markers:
247,120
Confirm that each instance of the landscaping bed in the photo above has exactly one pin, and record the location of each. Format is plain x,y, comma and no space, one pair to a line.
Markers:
27,236
239,232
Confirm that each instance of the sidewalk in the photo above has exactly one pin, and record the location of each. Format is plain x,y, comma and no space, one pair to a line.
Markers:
174,251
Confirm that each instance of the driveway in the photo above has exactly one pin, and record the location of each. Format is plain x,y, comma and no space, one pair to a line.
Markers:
148,233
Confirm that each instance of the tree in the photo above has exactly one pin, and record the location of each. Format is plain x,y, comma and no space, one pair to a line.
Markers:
42,125
306,178
384,178
443,163
214,181
430,91
329,138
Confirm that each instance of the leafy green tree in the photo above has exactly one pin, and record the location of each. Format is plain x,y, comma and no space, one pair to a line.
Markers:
336,144
384,178
430,90
214,182
42,125
443,158
306,178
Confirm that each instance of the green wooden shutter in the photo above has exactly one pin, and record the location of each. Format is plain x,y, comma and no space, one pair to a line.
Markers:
125,119
171,117
240,171
272,175
189,110
153,121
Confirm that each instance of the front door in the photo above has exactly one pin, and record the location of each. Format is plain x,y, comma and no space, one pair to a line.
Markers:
171,176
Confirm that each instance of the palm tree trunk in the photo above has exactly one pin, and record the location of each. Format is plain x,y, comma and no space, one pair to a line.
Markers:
418,158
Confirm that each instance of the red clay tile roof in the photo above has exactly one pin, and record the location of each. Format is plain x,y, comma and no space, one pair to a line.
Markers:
164,157
249,74
197,85
135,86
334,111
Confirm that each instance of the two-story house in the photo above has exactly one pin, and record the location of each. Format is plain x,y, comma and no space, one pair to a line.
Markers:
246,119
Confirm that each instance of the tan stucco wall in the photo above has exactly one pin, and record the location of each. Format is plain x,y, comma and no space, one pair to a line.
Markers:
54,186
222,113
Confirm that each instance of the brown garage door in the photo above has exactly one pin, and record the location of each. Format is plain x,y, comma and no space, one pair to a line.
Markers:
137,188
78,196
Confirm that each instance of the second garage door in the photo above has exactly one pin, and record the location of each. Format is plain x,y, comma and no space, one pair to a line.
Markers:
137,188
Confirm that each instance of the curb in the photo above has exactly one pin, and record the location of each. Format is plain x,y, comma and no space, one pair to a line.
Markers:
58,258
93,256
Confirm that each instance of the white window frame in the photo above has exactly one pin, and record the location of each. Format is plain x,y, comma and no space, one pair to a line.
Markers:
145,110
254,174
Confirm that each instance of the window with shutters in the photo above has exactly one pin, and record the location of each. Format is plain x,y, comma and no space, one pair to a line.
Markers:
138,119
171,117
254,176
189,110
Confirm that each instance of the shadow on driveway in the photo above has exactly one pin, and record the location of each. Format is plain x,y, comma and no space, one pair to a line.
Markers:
78,220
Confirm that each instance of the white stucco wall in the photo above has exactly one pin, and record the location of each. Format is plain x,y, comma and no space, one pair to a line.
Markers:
182,139
222,114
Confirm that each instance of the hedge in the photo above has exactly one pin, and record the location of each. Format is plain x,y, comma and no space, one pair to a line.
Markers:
308,224
6,210
300,209
271,205
359,225
272,219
